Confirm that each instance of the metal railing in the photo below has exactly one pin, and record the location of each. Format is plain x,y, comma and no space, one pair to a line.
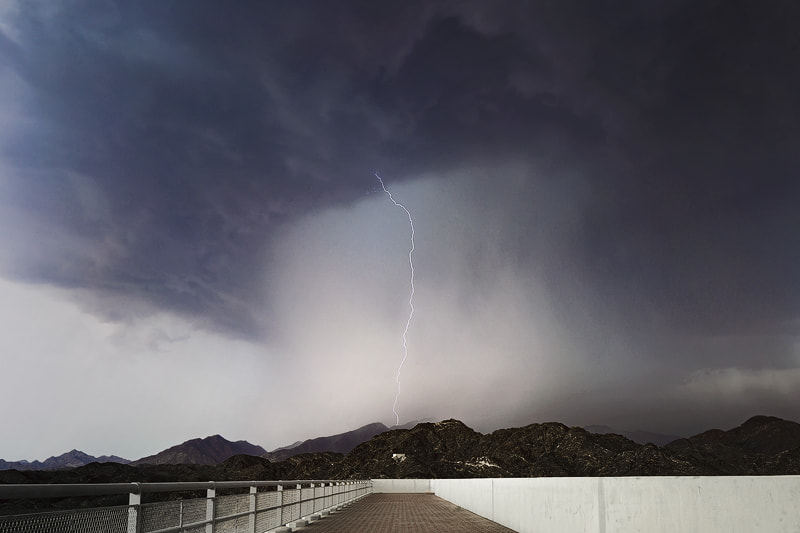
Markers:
267,505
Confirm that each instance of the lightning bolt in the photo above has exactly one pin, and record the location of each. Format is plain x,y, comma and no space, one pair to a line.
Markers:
410,298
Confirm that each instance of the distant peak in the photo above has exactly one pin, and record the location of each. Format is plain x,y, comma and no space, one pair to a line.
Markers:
761,419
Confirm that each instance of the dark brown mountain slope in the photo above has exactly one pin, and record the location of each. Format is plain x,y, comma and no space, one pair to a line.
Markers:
430,450
553,449
208,451
341,443
763,445
765,435
451,449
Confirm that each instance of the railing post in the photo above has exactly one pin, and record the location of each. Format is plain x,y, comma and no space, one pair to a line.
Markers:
134,502
300,499
253,495
211,500
280,504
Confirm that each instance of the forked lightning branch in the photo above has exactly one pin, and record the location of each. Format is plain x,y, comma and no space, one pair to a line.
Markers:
410,298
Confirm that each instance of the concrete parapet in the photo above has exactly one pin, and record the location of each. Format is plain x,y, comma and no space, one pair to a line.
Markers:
404,486
658,504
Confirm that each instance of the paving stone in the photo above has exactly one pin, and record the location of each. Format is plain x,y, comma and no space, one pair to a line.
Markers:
403,513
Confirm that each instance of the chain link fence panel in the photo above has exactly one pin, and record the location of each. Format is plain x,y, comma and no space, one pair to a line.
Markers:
230,513
100,520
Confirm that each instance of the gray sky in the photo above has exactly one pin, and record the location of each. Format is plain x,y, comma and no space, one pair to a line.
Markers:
192,239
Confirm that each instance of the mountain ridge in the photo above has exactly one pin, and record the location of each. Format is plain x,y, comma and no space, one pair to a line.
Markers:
450,449
206,451
759,434
71,459
339,443
765,441
215,449
637,435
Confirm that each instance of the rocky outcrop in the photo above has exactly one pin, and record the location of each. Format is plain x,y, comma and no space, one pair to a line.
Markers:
451,449
431,450
553,449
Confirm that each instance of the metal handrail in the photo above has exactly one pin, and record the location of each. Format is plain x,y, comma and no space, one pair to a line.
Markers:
46,490
332,494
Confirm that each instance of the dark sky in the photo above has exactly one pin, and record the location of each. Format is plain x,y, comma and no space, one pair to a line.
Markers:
193,241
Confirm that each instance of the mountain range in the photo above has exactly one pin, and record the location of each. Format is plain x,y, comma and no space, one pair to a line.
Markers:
72,459
450,448
763,445
214,450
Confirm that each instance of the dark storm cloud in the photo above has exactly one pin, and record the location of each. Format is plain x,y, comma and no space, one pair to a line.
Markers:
628,172
202,129
198,130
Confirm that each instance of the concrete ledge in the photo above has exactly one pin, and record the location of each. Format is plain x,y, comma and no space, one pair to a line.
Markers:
314,517
299,523
282,530
325,513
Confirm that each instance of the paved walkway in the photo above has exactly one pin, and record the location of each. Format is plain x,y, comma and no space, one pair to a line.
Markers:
403,513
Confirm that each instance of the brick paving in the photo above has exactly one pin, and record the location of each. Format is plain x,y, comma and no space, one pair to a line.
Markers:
406,513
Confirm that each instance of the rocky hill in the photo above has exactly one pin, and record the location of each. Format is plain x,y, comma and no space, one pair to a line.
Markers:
765,435
208,451
763,445
451,449
341,443
72,459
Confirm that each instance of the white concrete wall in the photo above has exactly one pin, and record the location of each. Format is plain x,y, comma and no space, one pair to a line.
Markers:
477,495
401,485
632,504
